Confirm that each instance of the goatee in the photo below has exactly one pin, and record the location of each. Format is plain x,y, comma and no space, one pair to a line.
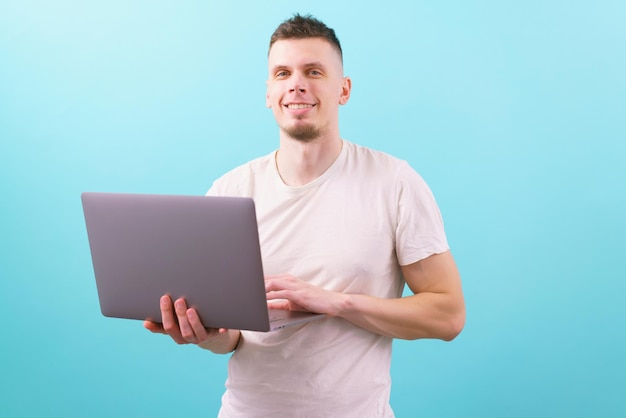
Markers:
304,132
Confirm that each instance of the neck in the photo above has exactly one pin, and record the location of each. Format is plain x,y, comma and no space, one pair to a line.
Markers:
299,162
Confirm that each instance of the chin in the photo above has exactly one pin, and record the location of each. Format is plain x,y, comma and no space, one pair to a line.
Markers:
304,133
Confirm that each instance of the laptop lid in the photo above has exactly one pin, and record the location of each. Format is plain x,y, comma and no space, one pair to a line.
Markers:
203,248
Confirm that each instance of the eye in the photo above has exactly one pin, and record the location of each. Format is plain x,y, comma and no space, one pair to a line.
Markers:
315,73
281,74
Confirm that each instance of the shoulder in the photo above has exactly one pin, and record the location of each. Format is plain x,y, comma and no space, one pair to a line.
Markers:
239,180
367,154
387,174
378,162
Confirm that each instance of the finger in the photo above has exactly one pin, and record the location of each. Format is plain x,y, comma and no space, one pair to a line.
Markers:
278,304
278,294
276,281
153,327
274,285
272,276
200,332
186,331
170,324
284,282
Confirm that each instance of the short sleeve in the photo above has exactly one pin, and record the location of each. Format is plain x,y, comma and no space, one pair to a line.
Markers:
420,231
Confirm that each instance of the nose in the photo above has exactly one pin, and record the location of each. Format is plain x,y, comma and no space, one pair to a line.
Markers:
298,84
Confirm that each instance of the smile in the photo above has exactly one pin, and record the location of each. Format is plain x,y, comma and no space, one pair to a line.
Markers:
299,106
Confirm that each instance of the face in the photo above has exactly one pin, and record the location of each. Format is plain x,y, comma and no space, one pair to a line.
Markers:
305,87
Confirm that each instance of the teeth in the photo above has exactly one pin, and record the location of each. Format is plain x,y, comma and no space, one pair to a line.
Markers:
299,106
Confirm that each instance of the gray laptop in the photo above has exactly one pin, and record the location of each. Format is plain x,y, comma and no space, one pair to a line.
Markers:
203,248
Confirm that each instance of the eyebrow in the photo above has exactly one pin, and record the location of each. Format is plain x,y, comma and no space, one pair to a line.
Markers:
314,64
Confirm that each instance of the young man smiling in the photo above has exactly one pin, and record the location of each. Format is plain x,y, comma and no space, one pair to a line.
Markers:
343,228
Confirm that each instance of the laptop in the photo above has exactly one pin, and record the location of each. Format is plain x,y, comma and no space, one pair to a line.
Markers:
203,248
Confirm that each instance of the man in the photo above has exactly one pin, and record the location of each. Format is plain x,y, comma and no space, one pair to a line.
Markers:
342,229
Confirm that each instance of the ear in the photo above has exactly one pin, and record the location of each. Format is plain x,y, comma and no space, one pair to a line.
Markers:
346,87
268,104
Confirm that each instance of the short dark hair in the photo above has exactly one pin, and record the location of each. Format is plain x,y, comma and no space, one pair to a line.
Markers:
303,27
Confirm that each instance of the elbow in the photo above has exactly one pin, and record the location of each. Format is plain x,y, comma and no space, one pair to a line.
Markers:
454,326
445,328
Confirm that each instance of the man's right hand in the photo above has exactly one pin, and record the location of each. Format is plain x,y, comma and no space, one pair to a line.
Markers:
183,325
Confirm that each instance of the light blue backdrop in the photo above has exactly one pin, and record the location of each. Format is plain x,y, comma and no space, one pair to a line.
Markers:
514,112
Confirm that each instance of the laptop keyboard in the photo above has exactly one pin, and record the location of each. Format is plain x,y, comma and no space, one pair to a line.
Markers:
277,315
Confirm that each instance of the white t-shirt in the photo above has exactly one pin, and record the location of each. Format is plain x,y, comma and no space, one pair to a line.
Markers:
349,231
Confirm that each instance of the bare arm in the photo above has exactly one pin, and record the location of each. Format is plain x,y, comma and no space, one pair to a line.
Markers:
183,325
435,310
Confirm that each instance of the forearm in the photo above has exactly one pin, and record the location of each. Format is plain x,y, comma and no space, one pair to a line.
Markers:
435,310
423,315
223,343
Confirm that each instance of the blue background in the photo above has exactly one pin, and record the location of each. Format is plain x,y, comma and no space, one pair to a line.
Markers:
512,111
